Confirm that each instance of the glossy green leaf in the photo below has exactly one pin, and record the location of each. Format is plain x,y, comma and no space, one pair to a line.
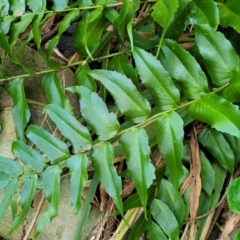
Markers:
52,147
54,91
166,193
139,227
170,126
78,169
177,23
83,79
230,14
124,17
96,114
217,145
88,32
218,113
102,161
10,167
29,156
233,197
4,180
185,70
51,190
122,65
156,79
63,25
35,30
207,174
165,218
155,232
139,165
36,5
130,102
20,110
7,197
60,4
28,192
234,143
19,27
70,127
219,55
232,92
17,7
204,12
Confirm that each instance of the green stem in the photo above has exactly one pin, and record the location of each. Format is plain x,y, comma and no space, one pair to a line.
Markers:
161,42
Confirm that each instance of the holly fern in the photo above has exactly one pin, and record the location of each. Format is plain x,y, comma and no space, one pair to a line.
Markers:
159,96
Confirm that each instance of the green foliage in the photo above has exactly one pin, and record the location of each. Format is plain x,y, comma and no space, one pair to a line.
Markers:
144,95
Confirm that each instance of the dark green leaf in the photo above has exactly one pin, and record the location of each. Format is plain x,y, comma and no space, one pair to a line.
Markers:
96,114
234,143
185,70
170,126
7,197
21,113
4,43
4,180
204,12
156,79
10,167
230,14
155,232
29,156
35,30
233,196
217,145
217,112
130,102
219,55
83,79
165,218
28,191
52,147
139,164
139,227
102,160
70,127
167,194
60,4
54,91
51,190
78,169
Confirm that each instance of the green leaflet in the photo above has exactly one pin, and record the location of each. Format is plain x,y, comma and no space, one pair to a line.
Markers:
155,232
230,14
219,55
35,30
4,180
102,161
51,190
156,80
234,143
52,147
207,175
219,113
167,194
21,112
10,167
170,126
78,169
4,8
19,27
165,218
70,127
185,70
54,92
139,166
233,197
217,145
28,191
60,4
4,43
232,92
17,7
7,197
83,79
130,102
204,12
88,32
96,114
36,5
29,156
124,17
